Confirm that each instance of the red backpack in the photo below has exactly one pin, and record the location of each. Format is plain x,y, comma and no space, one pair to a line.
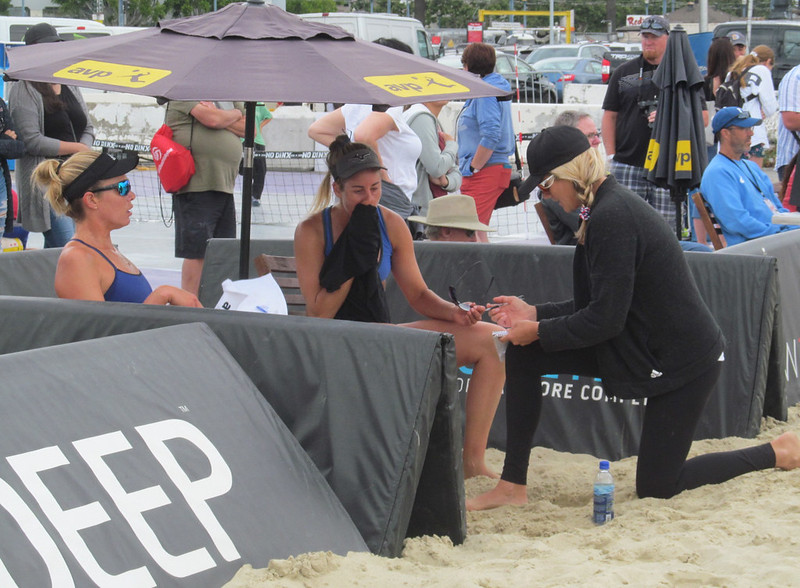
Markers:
174,163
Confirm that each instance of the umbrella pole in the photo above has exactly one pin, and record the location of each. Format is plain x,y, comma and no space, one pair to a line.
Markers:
675,195
247,189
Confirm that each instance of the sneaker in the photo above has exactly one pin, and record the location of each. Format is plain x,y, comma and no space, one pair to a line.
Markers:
256,202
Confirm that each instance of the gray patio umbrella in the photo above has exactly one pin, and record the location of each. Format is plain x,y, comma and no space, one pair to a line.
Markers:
248,52
677,157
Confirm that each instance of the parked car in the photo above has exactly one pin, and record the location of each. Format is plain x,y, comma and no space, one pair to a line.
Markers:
588,50
563,70
533,87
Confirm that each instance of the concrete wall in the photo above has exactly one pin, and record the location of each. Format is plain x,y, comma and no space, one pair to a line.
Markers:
131,118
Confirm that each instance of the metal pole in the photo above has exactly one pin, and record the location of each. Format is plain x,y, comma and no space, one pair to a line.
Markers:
646,7
703,16
749,21
552,28
121,13
247,189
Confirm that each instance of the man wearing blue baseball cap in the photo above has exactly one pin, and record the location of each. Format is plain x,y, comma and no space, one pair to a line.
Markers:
739,193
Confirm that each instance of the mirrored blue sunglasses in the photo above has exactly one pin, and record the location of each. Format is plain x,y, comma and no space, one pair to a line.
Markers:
123,188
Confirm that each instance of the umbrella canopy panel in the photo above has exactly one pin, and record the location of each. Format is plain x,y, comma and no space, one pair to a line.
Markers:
246,52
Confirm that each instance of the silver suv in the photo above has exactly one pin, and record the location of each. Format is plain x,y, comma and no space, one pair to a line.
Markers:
590,50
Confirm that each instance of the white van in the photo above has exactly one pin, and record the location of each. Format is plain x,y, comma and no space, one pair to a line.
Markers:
370,26
13,28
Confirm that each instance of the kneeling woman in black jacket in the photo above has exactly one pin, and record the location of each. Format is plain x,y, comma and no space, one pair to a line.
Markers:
636,320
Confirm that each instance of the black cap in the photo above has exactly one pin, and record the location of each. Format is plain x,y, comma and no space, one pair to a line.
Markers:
551,148
102,168
355,161
41,33
655,24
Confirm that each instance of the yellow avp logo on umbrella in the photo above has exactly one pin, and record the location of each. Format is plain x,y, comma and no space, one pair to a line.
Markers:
418,84
653,149
683,156
114,74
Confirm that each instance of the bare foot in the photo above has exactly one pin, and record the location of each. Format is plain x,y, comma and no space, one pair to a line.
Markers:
472,470
505,493
787,451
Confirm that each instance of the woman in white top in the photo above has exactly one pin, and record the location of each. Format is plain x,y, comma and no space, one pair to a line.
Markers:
386,132
758,92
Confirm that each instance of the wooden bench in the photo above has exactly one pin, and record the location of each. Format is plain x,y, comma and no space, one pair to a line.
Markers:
284,270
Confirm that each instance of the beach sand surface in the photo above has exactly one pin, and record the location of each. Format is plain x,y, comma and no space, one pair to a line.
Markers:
745,532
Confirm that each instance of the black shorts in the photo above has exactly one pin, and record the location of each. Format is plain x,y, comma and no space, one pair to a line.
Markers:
199,216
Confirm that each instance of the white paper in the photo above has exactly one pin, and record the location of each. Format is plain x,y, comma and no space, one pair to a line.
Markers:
255,295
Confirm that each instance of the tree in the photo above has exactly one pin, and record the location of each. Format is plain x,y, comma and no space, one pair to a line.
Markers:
137,12
5,6
178,8
304,6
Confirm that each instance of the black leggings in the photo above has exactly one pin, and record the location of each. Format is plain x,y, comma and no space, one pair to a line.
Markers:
670,420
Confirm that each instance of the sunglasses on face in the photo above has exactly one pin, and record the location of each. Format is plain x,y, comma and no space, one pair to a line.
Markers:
548,182
591,136
123,188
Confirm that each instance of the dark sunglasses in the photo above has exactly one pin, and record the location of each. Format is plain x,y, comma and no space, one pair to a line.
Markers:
652,25
123,188
467,305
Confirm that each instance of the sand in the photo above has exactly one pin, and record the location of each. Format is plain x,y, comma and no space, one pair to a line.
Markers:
745,532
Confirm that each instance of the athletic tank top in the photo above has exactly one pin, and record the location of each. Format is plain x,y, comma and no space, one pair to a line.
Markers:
385,266
125,287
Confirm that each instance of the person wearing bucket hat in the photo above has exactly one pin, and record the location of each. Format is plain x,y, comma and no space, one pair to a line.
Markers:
344,252
452,218
93,189
636,320
737,190
53,121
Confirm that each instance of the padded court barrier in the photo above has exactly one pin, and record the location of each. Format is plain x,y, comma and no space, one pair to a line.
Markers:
740,290
151,459
363,400
785,247
29,273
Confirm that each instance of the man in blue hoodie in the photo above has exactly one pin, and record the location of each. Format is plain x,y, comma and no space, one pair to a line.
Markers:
739,193
485,136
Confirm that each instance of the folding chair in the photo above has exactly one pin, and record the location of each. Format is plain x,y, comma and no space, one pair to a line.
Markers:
710,223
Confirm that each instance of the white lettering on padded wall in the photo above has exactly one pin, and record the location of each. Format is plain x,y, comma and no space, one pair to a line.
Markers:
69,522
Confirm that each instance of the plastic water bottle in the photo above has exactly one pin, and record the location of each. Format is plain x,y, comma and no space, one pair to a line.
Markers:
603,495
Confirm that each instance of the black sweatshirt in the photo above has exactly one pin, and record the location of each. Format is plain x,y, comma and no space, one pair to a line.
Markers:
635,300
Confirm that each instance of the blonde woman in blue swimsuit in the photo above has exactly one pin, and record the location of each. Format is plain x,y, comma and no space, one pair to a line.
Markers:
93,190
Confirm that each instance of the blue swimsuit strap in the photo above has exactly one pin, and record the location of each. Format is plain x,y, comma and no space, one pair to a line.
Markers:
111,263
